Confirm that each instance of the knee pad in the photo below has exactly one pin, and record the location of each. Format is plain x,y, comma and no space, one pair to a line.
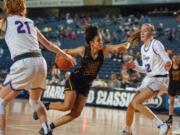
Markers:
35,104
2,107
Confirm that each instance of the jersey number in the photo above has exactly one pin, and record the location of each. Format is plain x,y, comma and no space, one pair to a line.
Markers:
23,27
148,68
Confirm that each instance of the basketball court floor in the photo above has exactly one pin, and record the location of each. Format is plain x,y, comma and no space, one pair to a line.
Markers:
93,121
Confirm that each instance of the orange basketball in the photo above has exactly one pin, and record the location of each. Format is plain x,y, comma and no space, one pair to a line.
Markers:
63,63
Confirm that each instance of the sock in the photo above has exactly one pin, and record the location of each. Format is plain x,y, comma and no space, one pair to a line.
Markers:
52,125
2,132
47,105
46,127
157,122
170,116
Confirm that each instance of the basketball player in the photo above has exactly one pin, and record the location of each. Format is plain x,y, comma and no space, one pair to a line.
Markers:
174,86
28,71
156,64
78,86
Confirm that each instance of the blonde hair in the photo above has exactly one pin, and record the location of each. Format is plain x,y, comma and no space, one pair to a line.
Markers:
15,7
151,27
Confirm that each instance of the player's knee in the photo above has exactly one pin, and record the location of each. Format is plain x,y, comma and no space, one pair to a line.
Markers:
130,106
2,107
75,114
35,104
134,104
67,107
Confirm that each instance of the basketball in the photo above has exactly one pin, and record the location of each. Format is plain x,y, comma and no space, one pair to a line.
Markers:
63,63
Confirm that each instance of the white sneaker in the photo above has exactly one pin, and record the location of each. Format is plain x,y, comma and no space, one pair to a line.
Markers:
176,132
164,129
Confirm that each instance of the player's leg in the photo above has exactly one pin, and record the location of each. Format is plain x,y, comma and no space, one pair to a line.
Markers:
6,95
171,110
75,112
137,103
37,105
172,93
129,117
69,99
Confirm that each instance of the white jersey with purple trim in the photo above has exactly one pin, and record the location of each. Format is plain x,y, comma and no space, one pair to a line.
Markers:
21,35
153,58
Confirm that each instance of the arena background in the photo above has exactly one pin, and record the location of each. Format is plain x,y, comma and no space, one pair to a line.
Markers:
63,22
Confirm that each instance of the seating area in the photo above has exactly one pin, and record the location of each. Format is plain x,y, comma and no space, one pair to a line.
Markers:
68,32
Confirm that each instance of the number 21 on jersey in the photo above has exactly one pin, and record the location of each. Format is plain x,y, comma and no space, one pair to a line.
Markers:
23,27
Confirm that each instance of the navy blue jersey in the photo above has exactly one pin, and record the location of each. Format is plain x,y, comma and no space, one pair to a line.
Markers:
89,67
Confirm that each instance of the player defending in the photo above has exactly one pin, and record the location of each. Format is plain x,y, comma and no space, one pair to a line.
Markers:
156,65
28,71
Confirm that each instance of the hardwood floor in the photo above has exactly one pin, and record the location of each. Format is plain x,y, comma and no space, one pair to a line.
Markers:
93,121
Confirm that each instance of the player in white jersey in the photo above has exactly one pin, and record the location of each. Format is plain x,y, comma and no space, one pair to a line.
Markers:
28,71
156,65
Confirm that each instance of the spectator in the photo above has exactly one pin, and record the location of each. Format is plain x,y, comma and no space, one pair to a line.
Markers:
66,77
99,83
135,76
55,75
125,77
114,83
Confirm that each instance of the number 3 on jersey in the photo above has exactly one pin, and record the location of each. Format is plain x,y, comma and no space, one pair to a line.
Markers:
148,68
23,27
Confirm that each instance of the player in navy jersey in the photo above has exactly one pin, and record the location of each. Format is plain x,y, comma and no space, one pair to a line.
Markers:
174,86
29,70
78,86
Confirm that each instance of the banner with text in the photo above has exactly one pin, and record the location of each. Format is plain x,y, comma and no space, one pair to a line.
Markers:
104,98
54,3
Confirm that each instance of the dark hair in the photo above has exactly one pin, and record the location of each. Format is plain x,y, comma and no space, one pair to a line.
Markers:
91,32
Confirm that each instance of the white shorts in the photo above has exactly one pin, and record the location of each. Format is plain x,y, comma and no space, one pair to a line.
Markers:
27,74
160,84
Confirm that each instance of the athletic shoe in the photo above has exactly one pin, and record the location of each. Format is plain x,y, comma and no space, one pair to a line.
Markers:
169,121
41,132
164,128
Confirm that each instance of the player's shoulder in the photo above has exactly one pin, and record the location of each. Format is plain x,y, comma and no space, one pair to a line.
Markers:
157,43
23,18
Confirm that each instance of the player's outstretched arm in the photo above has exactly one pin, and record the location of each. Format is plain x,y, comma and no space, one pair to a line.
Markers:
54,48
160,50
123,47
79,51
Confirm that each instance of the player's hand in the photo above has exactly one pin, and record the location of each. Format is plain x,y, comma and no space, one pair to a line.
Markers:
124,48
130,65
168,65
70,59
